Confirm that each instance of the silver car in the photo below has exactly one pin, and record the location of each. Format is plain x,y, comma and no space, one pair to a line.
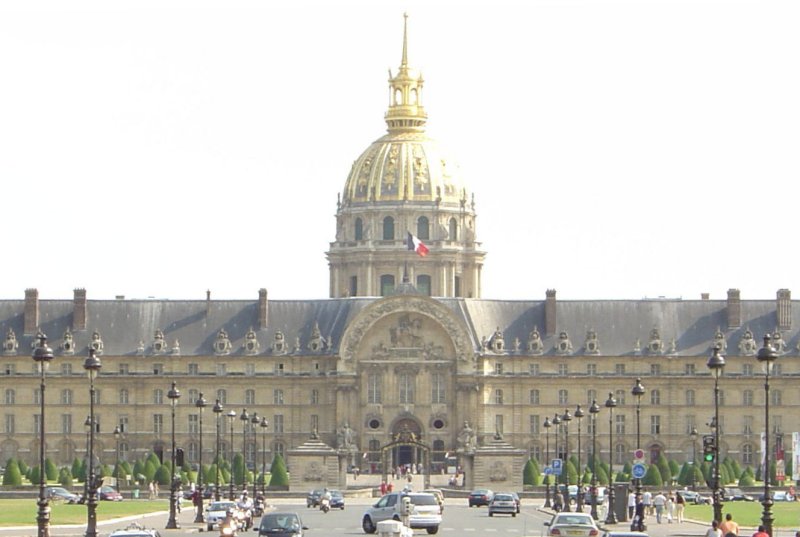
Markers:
572,525
503,503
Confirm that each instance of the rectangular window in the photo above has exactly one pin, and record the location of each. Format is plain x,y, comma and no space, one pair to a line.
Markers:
689,397
655,370
591,427
250,397
533,369
10,369
314,422
353,285
314,397
193,396
66,423
619,395
250,370
221,370
655,424
158,423
11,396
498,397
534,397
158,369
37,424
690,425
747,425
534,421
424,284
689,370
374,388
37,396
66,397
498,423
747,398
158,396
279,369
619,369
591,370
124,369
563,370
277,397
123,423
563,397
438,389
776,422
278,423
747,370
777,369
9,424
655,397
194,369
619,424
222,395
96,396
591,396
405,386
194,421
66,369
498,368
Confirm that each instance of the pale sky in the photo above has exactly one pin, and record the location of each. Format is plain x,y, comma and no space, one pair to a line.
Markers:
616,149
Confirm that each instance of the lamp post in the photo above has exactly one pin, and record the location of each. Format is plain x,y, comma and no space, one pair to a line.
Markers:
579,505
767,355
231,418
594,409
200,404
611,518
557,455
245,417
264,424
546,426
117,436
87,424
42,355
217,411
716,363
92,366
694,434
254,420
565,419
638,391
173,394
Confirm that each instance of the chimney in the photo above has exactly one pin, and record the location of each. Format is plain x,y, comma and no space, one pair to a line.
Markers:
734,309
784,309
31,311
704,296
208,302
550,313
79,310
262,308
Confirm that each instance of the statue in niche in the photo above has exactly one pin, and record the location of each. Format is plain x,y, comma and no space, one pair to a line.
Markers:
11,345
535,341
467,439
344,437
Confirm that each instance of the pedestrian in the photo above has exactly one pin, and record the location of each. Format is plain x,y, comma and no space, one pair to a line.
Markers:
670,507
152,488
383,488
647,498
631,504
155,487
659,502
714,530
558,501
638,516
680,505
762,532
729,526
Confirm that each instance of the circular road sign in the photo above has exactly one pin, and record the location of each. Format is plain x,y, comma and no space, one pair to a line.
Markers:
638,454
638,470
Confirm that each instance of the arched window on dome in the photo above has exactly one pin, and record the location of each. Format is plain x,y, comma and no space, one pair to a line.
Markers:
413,97
453,229
359,229
424,284
423,228
398,97
387,284
388,228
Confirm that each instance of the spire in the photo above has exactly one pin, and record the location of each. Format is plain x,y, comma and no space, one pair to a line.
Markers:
405,113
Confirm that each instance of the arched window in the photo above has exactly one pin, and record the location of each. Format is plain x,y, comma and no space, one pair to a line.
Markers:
453,230
387,284
424,284
359,231
388,228
423,228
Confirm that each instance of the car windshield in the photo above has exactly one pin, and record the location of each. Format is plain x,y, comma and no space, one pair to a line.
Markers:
423,499
278,521
573,520
503,497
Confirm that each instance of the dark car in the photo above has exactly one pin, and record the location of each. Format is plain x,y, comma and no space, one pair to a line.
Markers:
337,499
109,494
312,500
480,497
60,493
281,525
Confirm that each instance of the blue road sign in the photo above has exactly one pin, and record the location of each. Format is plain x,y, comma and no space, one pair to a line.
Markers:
638,470
548,470
556,465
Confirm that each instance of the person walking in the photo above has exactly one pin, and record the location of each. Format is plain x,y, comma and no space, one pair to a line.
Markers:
631,504
659,502
670,507
647,498
729,526
714,530
680,505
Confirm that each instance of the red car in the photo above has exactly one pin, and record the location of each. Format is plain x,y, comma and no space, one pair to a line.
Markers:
109,494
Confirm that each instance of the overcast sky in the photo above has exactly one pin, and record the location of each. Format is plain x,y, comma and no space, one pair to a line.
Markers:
616,149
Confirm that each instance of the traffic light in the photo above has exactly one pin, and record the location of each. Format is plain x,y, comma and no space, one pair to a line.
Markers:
709,448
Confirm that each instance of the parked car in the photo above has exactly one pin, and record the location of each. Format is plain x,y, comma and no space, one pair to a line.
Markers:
216,512
694,497
60,493
337,499
735,494
503,503
135,530
281,525
480,497
572,525
312,499
424,515
109,494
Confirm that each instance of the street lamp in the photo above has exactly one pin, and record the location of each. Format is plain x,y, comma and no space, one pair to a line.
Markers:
694,434
87,424
173,394
557,455
245,417
217,411
264,424
200,404
716,363
566,418
594,409
42,355
611,518
92,366
546,426
254,420
579,505
767,355
117,467
231,418
638,392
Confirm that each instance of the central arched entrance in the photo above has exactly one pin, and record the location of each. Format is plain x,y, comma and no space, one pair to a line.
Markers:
406,450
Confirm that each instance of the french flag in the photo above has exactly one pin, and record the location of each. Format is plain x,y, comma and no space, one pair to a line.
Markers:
417,245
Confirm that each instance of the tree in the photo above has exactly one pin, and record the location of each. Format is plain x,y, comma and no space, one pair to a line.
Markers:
746,480
162,475
664,470
674,468
572,473
528,476
149,470
12,476
50,469
65,478
238,469
76,469
34,475
280,477
652,477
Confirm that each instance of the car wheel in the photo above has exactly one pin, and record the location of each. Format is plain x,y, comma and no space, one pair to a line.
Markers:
491,514
209,527
367,525
514,515
432,530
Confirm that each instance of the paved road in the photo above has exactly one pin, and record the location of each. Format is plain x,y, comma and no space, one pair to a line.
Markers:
458,520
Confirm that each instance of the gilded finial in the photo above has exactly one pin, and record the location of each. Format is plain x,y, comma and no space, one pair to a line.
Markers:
404,61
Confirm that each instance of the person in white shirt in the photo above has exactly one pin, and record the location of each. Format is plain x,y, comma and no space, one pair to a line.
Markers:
631,504
659,502
647,500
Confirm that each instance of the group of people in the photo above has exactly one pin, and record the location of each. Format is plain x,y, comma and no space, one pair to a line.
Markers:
669,507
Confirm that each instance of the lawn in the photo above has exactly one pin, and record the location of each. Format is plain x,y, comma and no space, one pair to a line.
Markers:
23,512
786,514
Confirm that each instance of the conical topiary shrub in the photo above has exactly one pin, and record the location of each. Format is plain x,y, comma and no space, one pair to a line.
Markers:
12,476
280,477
